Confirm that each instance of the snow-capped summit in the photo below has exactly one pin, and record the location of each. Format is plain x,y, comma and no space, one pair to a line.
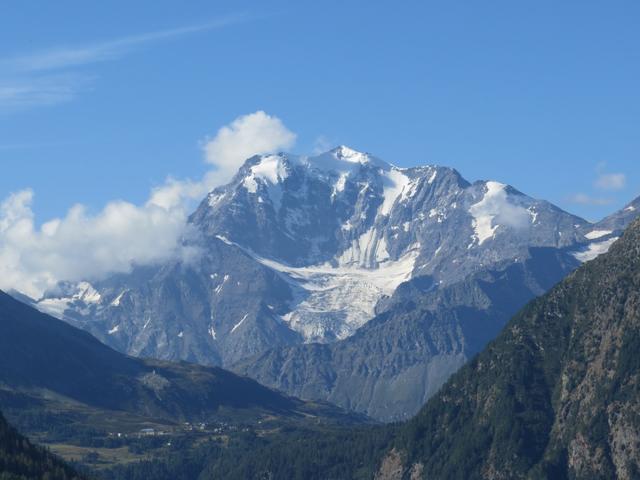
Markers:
305,248
343,159
265,175
345,229
402,274
350,155
348,208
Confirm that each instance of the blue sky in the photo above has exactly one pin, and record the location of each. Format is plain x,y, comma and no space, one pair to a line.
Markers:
103,100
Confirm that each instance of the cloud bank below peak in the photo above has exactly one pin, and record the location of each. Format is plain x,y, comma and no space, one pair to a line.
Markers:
85,246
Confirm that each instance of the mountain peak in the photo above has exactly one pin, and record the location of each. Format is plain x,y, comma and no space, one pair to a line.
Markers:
273,168
349,154
343,160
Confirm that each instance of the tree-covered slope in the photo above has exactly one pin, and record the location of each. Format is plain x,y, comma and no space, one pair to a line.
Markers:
556,395
21,460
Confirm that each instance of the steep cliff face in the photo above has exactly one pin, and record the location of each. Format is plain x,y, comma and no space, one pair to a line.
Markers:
556,395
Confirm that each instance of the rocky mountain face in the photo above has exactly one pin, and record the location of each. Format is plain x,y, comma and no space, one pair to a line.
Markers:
215,311
556,395
395,362
618,220
340,276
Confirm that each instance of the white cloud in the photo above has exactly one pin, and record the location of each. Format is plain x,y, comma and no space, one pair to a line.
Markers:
175,193
81,245
84,246
611,181
584,199
40,91
321,145
605,182
248,135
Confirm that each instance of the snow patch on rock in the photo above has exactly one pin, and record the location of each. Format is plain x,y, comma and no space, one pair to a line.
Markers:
83,294
116,301
332,300
212,332
394,182
269,172
592,235
366,251
594,249
494,210
235,327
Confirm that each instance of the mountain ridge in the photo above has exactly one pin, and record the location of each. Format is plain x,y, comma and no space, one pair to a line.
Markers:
47,361
293,254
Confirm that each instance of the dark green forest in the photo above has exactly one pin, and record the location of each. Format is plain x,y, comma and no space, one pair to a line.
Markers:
21,460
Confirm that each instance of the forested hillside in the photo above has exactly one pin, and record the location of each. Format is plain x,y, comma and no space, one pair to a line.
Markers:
20,459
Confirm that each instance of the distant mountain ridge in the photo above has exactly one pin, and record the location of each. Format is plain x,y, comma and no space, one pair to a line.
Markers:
44,361
300,250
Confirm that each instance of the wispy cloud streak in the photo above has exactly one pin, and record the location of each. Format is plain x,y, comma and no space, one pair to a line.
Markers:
40,91
609,181
53,76
67,57
584,199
